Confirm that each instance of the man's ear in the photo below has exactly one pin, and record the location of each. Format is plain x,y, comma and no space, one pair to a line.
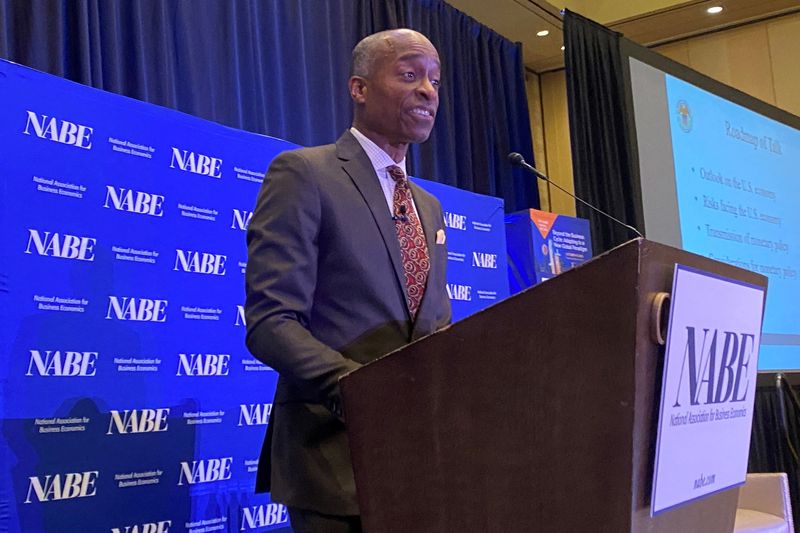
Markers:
358,89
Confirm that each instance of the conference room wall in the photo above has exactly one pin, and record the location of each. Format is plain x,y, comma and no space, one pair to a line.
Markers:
758,58
547,104
534,94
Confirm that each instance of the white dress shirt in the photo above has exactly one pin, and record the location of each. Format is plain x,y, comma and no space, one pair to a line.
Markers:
380,161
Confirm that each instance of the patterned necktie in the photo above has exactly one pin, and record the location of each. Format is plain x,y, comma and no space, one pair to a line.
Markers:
413,249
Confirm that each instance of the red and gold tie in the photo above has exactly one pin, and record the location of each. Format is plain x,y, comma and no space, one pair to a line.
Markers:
413,249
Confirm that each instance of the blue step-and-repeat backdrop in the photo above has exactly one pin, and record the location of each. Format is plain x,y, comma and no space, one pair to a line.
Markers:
129,401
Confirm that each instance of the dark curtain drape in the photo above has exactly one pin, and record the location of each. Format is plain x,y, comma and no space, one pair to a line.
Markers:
602,162
775,442
280,67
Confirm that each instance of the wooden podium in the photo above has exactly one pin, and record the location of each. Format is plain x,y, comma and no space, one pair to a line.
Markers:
537,414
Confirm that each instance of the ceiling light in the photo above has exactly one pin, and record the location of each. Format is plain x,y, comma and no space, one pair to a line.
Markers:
714,10
543,33
562,47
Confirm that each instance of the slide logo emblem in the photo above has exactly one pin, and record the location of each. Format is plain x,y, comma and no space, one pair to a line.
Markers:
684,116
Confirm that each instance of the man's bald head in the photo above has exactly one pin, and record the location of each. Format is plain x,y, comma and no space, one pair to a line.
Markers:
373,47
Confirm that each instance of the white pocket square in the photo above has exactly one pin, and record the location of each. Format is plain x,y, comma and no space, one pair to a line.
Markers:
440,237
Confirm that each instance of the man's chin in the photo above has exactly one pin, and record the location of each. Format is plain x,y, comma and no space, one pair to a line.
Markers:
420,137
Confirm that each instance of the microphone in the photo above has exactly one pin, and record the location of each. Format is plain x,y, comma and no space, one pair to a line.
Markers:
402,214
517,159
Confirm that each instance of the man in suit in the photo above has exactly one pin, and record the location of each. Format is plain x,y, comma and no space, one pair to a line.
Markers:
346,263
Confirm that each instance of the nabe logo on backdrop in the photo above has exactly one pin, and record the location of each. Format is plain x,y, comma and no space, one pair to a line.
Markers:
455,221
149,527
138,421
198,364
66,364
136,309
268,514
241,219
484,260
55,487
200,262
196,163
142,203
459,292
60,131
254,414
61,245
240,320
205,471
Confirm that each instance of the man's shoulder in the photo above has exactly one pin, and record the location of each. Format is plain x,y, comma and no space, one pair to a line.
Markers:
421,195
310,153
346,148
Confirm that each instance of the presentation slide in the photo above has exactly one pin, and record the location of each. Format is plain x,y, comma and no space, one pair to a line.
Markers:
736,190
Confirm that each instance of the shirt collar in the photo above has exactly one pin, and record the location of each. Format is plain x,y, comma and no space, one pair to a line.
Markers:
377,156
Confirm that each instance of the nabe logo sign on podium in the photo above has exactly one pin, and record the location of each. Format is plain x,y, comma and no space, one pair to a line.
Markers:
708,387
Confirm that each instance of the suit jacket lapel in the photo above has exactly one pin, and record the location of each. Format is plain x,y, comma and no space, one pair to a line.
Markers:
427,217
358,166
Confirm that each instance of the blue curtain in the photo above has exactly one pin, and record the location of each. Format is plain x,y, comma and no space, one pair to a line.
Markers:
280,67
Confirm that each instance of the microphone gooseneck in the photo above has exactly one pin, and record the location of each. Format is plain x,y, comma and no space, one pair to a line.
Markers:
517,159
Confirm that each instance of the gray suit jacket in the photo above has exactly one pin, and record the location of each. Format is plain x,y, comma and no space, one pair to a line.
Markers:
326,294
